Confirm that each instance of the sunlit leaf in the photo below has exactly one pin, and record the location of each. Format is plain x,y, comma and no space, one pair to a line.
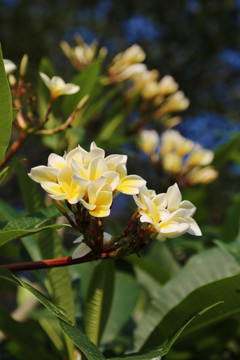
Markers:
99,300
162,349
55,310
5,109
202,269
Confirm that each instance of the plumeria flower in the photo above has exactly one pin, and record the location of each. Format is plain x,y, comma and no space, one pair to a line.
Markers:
149,141
99,194
58,87
9,66
186,160
168,214
87,177
65,188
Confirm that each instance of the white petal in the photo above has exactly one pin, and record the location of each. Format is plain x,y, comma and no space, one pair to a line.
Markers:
42,173
57,161
174,196
81,251
78,240
113,178
194,228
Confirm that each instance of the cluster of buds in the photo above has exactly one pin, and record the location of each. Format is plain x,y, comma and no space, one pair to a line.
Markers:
126,64
185,161
82,54
87,182
160,97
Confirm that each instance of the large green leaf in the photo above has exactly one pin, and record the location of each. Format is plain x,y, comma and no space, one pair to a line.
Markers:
126,294
27,225
225,291
99,300
32,198
55,310
5,109
202,269
163,348
49,246
90,351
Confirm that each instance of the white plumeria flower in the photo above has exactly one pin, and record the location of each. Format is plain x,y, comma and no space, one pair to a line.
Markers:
168,214
87,177
58,87
99,198
9,66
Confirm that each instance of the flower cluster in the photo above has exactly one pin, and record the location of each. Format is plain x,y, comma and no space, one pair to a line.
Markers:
87,181
160,97
166,212
180,157
87,177
127,63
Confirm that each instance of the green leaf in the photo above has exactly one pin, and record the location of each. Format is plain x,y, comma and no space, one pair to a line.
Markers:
4,173
163,349
126,294
28,336
82,342
86,79
7,212
55,310
157,272
224,290
99,300
5,109
96,105
230,229
24,226
201,269
226,152
14,113
32,197
232,249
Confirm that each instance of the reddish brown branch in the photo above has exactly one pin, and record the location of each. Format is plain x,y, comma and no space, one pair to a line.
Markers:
50,263
14,148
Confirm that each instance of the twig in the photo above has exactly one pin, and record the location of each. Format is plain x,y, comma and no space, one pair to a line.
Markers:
66,123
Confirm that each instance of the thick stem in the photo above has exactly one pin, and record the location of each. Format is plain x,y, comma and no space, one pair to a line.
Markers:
14,148
50,263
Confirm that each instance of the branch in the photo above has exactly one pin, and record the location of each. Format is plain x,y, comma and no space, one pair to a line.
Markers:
67,122
50,263
14,148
